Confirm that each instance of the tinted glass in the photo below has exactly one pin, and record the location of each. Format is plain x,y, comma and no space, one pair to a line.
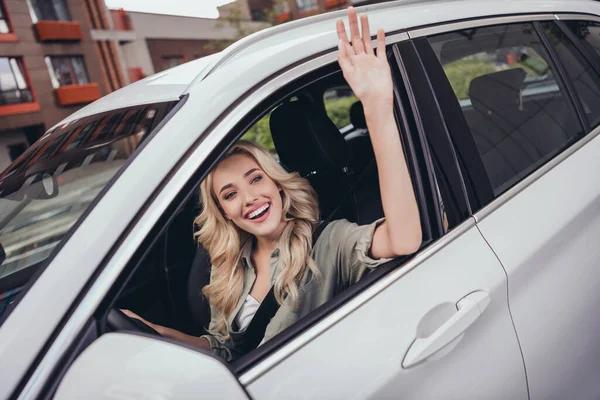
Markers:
13,87
4,28
51,9
62,71
81,76
517,110
585,79
47,190
171,62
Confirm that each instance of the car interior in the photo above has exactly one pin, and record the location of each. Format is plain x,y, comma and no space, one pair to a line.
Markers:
516,115
166,287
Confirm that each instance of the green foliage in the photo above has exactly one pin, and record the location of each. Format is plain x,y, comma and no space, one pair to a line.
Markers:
338,110
461,72
261,133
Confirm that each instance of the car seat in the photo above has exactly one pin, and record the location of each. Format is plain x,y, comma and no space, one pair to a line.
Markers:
308,142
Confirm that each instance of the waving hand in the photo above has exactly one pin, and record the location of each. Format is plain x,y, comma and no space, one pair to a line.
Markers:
367,74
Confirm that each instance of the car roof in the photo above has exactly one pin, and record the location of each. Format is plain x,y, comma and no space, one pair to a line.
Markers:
171,84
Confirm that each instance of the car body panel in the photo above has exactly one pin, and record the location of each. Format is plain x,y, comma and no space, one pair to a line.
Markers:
361,355
546,238
395,16
125,366
211,106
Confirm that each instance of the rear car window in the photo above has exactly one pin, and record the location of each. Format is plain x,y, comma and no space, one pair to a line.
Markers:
45,192
518,111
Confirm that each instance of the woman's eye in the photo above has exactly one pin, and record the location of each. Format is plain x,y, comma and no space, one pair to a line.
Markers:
229,195
256,179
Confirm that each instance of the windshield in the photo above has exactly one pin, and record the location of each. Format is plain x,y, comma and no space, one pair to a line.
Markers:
47,190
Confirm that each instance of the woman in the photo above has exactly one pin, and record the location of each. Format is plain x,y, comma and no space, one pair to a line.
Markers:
258,220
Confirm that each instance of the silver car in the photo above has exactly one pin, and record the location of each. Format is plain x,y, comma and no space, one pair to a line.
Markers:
498,107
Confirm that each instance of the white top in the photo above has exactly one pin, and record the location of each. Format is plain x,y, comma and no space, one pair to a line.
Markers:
246,313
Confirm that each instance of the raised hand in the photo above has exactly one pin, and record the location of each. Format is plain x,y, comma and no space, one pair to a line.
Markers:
367,74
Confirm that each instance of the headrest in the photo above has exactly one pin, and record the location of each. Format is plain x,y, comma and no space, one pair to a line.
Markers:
497,91
306,139
357,116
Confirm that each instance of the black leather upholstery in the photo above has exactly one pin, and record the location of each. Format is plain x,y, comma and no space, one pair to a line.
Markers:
307,141
367,193
497,92
357,116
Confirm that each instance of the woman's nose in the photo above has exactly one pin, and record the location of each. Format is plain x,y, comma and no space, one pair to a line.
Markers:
250,197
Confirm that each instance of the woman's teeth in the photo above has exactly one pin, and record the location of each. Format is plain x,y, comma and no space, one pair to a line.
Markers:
258,212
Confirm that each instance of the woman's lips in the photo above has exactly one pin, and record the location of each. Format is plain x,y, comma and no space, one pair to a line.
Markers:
265,209
262,218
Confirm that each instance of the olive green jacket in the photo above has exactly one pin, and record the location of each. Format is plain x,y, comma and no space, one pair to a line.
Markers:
341,254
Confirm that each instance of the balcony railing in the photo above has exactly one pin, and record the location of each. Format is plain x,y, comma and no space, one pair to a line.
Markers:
77,94
135,74
335,3
18,101
284,17
58,30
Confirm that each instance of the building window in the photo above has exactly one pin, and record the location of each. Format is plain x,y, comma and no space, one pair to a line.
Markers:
4,24
13,86
69,70
171,62
306,5
55,10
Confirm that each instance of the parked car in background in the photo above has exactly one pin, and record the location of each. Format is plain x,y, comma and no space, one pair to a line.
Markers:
498,108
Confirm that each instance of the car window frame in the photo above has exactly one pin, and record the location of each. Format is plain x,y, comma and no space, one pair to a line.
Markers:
433,132
325,66
481,196
200,157
191,168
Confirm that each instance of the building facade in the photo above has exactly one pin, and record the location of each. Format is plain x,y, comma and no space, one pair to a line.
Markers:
161,41
287,10
50,66
58,55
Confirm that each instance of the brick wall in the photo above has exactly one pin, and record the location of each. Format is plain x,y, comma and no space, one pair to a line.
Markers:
33,53
188,49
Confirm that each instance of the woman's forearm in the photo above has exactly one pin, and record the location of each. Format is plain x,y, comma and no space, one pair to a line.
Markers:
369,75
194,341
402,230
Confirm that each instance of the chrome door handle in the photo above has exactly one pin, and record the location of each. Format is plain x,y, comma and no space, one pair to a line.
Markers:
469,307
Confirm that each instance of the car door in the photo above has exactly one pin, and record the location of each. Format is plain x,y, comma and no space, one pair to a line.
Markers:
436,327
537,137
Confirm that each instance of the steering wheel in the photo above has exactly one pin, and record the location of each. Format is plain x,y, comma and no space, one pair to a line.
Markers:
117,320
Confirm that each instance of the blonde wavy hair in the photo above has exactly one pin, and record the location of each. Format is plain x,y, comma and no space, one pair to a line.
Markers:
224,240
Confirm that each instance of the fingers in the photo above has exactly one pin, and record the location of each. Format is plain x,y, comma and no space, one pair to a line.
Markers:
381,44
343,56
366,34
341,31
357,43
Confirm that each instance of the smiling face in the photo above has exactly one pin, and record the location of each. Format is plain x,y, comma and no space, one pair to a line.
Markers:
248,197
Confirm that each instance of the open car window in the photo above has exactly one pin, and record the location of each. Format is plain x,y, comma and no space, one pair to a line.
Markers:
288,125
46,191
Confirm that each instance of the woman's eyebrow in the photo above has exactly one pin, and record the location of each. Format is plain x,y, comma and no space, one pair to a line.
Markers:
225,187
250,171
245,175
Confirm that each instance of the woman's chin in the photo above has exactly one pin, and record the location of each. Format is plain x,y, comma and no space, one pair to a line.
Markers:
269,229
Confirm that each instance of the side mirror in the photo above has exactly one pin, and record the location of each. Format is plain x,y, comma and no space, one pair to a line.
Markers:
129,366
42,187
